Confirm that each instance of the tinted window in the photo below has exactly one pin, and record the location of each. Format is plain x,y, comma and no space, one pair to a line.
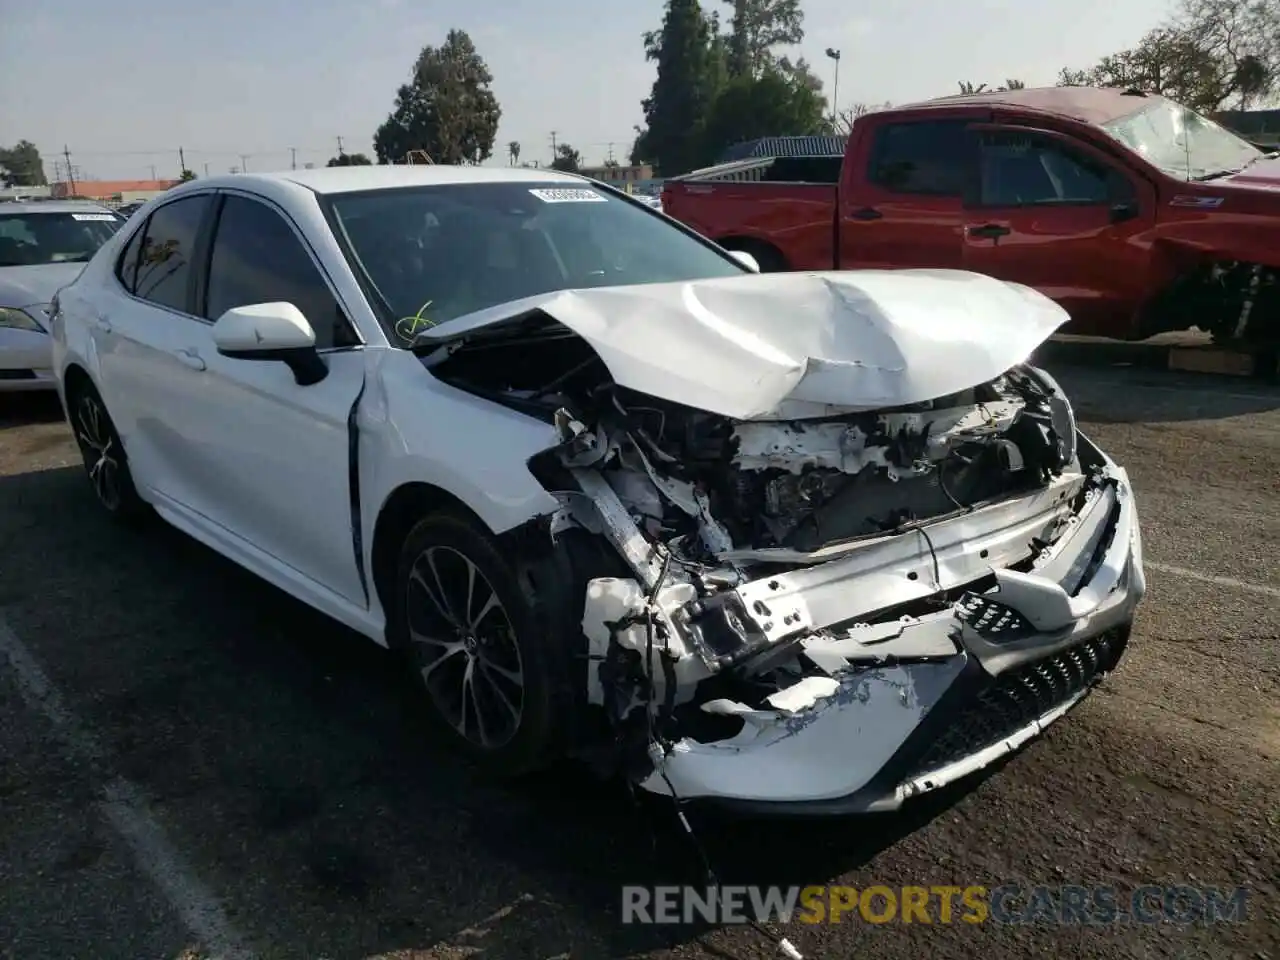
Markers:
257,258
29,239
436,253
927,157
1021,169
164,268
127,266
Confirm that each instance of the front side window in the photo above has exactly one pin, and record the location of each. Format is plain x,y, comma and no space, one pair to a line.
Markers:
432,254
1181,142
257,258
1023,169
32,239
928,157
168,244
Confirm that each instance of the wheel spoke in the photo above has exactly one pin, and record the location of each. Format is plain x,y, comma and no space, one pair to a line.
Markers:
482,695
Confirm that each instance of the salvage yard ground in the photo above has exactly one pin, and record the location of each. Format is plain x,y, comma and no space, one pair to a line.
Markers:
190,760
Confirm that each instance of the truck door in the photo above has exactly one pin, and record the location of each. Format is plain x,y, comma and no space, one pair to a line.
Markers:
1056,214
902,195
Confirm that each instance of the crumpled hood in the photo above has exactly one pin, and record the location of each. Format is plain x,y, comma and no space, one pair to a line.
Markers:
28,286
782,345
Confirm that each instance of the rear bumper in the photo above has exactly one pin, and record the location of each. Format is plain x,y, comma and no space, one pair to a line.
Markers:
911,706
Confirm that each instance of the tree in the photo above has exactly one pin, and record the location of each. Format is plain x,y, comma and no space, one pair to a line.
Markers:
690,63
757,26
21,166
968,87
187,175
349,160
567,159
513,152
447,108
845,119
1213,54
771,105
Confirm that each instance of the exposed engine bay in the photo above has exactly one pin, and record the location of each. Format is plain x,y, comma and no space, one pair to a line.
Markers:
699,504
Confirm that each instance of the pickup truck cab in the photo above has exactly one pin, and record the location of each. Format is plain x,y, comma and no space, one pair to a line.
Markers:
1133,212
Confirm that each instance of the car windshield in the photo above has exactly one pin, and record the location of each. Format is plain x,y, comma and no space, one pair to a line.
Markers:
433,254
1181,142
31,239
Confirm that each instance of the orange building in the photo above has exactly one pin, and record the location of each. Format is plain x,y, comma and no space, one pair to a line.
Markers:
109,189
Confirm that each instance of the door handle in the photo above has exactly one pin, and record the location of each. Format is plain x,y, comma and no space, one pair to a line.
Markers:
866,213
991,231
190,359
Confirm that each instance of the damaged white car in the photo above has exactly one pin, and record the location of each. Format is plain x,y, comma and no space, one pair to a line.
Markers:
798,542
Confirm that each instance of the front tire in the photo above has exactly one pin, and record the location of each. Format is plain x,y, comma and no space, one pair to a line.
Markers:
103,454
475,646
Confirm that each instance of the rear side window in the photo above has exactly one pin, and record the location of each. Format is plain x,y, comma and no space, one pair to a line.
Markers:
127,265
926,157
257,258
164,266
1024,169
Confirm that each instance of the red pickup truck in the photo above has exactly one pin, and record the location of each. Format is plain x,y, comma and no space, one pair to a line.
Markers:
1134,213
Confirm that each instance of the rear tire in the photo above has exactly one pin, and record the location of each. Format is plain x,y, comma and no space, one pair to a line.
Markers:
105,461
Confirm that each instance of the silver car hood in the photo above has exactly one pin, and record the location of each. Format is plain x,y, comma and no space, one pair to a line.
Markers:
784,345
30,285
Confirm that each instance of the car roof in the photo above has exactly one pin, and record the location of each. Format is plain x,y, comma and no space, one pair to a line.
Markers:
332,180
1096,105
54,206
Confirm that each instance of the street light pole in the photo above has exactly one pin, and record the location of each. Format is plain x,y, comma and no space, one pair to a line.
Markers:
834,54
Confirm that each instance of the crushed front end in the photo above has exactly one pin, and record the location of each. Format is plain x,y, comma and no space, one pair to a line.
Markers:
835,614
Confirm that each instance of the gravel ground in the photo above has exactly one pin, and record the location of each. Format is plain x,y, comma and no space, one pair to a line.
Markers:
285,796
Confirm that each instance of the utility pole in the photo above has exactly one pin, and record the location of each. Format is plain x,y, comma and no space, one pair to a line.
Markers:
71,177
553,145
182,162
339,146
244,162
293,158
153,172
206,170
610,160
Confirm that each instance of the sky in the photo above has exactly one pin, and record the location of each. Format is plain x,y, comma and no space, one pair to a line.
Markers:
123,85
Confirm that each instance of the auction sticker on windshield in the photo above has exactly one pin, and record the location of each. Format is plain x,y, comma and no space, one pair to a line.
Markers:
99,217
568,196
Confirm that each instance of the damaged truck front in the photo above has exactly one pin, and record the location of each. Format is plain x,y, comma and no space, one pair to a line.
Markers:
853,566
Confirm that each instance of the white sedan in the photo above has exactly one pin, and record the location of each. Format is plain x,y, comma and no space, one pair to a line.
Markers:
799,542
43,246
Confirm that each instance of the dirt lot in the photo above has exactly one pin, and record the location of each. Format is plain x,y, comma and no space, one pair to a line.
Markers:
190,761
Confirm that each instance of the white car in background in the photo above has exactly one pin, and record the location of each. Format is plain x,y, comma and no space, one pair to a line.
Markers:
43,246
801,542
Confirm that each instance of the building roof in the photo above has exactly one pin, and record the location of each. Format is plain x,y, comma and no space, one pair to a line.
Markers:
53,206
326,180
832,146
1250,122
1089,104
106,188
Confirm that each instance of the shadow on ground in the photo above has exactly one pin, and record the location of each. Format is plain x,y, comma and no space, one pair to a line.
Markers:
293,767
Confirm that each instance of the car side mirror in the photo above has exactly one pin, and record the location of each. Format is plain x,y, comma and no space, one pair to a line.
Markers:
746,259
271,331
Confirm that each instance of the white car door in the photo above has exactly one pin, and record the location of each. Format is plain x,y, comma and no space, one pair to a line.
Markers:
268,460
144,333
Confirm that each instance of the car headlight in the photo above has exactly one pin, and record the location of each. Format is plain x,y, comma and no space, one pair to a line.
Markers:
15,319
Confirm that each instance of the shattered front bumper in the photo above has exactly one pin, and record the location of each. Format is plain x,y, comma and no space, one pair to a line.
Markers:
910,706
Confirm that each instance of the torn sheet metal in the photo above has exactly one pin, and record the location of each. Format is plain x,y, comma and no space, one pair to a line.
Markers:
791,345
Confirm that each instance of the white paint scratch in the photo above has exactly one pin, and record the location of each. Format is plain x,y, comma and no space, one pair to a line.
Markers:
1263,589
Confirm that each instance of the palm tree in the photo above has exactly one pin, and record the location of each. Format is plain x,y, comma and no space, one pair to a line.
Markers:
513,151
